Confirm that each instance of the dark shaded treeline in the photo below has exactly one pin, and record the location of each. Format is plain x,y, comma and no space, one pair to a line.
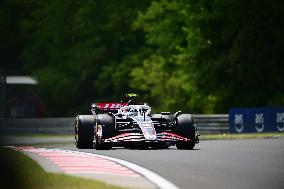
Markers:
198,56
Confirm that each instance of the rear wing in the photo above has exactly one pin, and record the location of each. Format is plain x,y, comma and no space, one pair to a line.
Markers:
104,107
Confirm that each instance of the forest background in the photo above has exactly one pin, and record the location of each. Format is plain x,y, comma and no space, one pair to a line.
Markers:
197,56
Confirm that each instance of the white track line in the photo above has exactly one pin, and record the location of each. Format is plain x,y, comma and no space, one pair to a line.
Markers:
159,181
156,179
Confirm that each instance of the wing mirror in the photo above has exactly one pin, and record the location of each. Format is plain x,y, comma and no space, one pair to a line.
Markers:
144,110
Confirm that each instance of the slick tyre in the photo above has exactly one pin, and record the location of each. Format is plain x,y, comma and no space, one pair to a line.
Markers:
104,130
185,127
185,145
84,131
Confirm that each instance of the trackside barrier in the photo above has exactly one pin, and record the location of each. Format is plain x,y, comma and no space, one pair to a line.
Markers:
38,126
206,124
212,123
251,120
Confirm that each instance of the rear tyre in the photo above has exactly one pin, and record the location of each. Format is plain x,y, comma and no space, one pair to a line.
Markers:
185,127
104,130
84,131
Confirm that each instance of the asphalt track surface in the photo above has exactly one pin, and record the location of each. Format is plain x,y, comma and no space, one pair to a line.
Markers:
249,163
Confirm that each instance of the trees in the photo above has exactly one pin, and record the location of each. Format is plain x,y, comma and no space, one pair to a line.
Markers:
199,56
75,48
11,39
215,54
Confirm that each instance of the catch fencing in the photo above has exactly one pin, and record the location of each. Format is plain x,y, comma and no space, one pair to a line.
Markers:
207,124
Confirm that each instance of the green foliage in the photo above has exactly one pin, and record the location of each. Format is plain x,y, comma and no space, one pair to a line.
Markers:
198,56
225,53
76,48
11,39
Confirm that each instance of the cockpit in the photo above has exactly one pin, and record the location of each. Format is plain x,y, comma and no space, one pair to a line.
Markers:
135,110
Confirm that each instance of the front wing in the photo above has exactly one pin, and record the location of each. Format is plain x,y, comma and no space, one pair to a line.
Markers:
139,137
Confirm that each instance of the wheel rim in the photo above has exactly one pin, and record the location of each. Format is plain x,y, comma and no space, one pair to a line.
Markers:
76,131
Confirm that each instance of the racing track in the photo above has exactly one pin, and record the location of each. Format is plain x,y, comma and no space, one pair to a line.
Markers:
250,163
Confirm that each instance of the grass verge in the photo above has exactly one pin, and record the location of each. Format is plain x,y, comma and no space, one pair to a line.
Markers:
241,136
20,172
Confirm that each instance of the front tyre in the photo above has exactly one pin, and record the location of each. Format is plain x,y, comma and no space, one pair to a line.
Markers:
185,127
185,145
84,131
104,129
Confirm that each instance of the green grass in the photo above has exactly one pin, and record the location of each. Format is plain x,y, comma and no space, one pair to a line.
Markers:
240,136
20,172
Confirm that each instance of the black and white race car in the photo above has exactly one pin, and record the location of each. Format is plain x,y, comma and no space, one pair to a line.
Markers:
132,125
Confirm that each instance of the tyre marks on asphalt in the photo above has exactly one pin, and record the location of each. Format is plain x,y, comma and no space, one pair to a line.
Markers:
78,162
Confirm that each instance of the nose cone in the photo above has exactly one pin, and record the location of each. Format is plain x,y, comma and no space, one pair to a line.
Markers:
149,131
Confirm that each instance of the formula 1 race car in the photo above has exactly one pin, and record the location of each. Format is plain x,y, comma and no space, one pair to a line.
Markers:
132,125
